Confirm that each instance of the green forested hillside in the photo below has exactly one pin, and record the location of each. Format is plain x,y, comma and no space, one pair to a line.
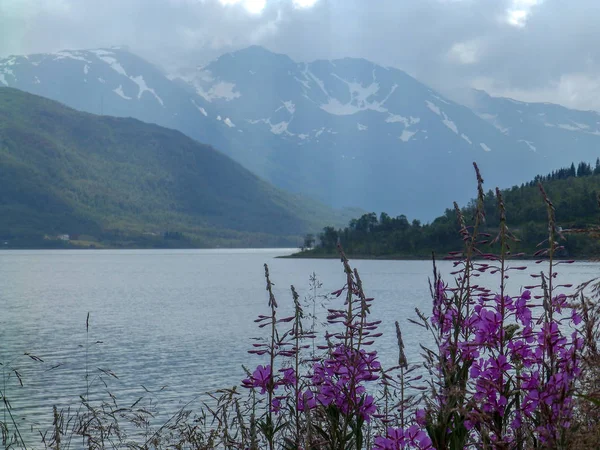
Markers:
573,191
124,182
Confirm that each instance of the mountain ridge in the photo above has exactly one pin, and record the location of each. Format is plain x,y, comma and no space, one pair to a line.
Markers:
65,171
348,132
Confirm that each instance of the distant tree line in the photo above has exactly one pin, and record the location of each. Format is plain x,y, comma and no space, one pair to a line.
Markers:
573,190
583,170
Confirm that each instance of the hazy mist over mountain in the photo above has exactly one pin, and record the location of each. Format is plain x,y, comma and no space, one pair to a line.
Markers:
531,50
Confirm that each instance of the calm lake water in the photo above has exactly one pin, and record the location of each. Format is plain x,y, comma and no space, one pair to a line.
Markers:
174,322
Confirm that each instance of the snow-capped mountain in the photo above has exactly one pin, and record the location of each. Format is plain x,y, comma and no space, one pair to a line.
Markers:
356,132
114,82
545,128
347,131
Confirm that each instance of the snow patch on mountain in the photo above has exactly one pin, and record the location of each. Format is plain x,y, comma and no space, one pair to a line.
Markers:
289,105
337,108
485,147
361,127
466,138
200,108
102,52
573,126
529,144
101,80
120,93
359,99
229,123
10,62
279,128
393,118
304,83
276,128
493,119
433,107
446,121
6,71
86,69
487,116
359,92
66,54
569,127
501,128
108,58
143,87
221,90
318,82
407,121
406,135
439,98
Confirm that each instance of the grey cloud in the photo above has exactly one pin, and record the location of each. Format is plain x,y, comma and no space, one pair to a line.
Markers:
553,58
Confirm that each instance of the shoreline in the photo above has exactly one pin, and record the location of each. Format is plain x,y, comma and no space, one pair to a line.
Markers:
588,258
297,255
358,257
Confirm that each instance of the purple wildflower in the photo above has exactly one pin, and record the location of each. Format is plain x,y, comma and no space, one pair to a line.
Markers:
261,378
289,377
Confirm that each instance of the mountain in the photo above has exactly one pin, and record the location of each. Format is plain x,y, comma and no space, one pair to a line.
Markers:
114,82
545,128
116,179
346,131
357,133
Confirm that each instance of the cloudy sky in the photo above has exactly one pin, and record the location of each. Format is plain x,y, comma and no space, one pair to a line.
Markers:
534,50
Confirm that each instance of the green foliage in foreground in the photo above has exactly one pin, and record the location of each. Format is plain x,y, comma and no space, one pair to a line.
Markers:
574,192
122,182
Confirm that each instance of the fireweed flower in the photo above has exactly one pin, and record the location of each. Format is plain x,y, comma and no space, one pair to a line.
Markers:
421,417
559,302
498,366
306,400
575,317
399,439
289,377
488,326
521,352
261,378
367,407
337,380
496,355
535,362
522,311
276,404
547,368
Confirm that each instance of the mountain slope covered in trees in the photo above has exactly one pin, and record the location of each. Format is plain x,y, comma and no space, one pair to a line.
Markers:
123,182
573,191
